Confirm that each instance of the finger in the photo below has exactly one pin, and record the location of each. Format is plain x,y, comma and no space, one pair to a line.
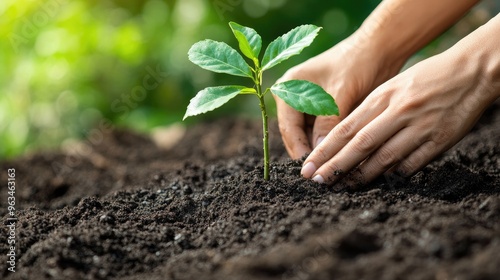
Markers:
419,158
365,142
340,136
292,128
391,153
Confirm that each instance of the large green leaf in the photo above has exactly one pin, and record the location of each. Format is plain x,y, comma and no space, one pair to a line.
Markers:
212,98
219,57
290,44
249,40
306,97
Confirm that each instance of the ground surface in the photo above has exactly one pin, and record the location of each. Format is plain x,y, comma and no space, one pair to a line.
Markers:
124,209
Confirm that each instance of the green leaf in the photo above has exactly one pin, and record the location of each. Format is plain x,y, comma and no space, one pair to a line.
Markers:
249,40
306,97
290,44
219,57
211,98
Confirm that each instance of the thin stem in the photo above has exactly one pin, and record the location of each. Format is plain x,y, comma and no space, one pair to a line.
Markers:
265,141
265,138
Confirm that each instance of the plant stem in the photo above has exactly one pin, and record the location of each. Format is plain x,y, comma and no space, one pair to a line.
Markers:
265,138
265,130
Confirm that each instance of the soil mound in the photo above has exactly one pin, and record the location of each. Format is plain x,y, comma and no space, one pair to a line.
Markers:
125,209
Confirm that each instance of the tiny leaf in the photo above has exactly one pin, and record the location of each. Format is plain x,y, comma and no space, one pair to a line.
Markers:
249,40
306,97
219,57
290,44
248,91
211,98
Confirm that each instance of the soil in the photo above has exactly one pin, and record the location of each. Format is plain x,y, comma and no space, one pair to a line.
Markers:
122,208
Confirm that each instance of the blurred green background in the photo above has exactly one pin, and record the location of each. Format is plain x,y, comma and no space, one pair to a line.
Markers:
67,65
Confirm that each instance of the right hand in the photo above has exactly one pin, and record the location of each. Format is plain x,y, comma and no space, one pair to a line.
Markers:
349,71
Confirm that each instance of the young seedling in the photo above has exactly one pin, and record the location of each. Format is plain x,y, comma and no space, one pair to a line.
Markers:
219,57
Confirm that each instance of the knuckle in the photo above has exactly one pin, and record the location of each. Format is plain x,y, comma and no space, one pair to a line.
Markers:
420,139
344,130
408,166
405,108
364,142
412,103
321,154
442,136
446,131
412,163
409,106
385,157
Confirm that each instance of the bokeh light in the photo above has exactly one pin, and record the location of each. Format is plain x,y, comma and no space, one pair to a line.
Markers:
66,65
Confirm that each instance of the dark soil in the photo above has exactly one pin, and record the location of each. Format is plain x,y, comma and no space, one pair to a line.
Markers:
124,209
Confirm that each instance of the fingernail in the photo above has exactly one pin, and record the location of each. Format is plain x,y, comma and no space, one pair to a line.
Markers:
308,170
319,179
320,139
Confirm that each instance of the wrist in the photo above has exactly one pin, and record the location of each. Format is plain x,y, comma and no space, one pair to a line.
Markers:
376,37
399,28
480,51
388,62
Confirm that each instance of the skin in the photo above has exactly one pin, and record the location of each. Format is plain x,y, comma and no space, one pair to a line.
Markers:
394,122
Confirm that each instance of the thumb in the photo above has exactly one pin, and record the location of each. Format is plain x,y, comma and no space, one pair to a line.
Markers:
293,129
322,126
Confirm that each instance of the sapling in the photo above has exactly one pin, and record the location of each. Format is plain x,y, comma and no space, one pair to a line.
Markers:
303,96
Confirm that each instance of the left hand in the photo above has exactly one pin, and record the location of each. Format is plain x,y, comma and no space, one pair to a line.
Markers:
407,121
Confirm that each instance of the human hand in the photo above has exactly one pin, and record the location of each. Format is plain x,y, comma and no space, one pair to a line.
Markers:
410,119
348,71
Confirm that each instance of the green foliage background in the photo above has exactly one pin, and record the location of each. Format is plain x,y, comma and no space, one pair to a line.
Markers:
66,65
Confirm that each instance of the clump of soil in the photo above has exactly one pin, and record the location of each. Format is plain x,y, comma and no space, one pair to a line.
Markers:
124,209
